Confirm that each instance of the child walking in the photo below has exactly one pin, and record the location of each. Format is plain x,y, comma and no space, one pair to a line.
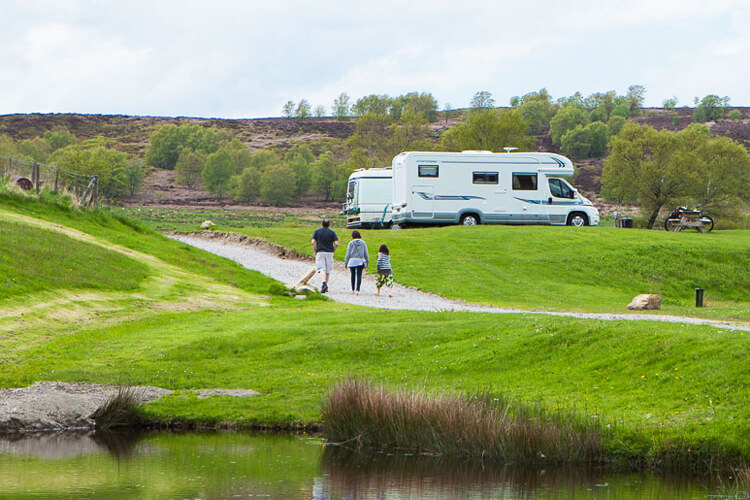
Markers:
385,273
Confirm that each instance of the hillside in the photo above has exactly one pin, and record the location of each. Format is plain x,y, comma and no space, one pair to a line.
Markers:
131,133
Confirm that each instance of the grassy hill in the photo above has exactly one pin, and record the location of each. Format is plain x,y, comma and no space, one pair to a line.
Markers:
191,320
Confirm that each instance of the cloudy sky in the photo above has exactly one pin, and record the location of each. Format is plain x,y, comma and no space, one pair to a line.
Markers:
246,58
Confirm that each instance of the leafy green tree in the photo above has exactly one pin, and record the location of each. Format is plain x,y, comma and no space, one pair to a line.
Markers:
109,165
735,114
275,184
488,129
7,145
299,159
567,118
134,173
371,134
635,96
320,111
576,143
246,186
217,172
448,112
670,104
58,138
422,105
622,109
599,138
240,154
615,124
167,143
262,159
325,174
342,106
303,110
645,166
481,100
189,167
36,149
410,134
537,109
288,110
711,107
378,105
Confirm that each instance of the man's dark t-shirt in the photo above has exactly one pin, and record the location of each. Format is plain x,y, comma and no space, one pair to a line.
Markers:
324,238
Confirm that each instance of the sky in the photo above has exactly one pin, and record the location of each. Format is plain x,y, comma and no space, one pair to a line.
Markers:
247,58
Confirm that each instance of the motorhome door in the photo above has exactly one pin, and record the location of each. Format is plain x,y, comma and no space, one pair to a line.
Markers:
423,202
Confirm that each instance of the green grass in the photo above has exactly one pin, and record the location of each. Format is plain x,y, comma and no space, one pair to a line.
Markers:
35,259
658,383
560,268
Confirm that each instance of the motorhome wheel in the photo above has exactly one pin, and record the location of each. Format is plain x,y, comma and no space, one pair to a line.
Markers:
577,220
469,220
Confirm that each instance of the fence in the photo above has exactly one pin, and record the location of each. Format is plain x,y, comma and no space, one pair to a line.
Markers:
33,175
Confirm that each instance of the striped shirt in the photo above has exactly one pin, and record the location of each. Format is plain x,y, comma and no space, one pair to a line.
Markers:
384,262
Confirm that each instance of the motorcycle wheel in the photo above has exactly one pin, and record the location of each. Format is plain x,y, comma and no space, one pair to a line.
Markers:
708,223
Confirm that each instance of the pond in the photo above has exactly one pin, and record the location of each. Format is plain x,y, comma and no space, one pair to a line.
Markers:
237,465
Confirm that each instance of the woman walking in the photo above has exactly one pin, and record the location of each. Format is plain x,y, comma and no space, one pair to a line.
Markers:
385,273
356,260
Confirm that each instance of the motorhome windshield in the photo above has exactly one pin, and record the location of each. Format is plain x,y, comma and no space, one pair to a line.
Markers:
560,189
351,190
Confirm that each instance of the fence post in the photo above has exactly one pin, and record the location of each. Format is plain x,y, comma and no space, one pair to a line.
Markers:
36,177
57,174
10,164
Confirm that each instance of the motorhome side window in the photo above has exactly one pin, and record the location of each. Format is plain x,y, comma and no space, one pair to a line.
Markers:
428,171
559,189
524,182
485,177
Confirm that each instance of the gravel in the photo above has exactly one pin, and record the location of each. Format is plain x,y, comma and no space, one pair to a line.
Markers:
285,266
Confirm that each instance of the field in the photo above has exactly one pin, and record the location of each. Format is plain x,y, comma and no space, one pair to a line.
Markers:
184,320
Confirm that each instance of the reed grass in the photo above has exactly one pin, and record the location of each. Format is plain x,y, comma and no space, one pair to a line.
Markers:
121,411
363,415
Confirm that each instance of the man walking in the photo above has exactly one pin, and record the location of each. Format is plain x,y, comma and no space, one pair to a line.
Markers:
324,242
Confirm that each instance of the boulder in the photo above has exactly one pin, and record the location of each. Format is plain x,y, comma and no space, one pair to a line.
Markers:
207,225
646,301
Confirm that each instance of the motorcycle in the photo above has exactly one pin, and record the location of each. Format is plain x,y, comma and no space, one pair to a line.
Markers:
684,218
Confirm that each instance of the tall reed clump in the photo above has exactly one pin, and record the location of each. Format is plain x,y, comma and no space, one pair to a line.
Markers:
121,411
364,415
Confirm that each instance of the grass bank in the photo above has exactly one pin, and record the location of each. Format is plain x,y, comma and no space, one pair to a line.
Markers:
198,321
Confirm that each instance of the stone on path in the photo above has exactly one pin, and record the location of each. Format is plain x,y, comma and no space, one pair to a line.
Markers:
646,301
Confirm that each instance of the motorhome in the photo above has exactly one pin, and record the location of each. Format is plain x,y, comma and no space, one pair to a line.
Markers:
481,187
368,198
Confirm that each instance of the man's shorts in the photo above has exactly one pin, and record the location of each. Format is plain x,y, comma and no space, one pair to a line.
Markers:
324,262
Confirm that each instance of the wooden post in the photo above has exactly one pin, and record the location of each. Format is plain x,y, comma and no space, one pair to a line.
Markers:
36,171
57,174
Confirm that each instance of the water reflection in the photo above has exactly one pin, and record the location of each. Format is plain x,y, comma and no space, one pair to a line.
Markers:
355,475
236,465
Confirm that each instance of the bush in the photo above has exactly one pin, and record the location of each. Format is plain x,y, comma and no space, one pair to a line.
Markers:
734,114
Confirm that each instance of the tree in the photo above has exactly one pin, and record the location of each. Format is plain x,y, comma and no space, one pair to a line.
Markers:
288,110
576,142
167,143
303,110
448,112
299,159
410,134
645,166
109,165
420,104
320,111
568,118
246,186
615,124
341,106
325,174
599,138
670,104
189,167
488,129
482,99
262,159
635,96
59,137
36,149
217,172
378,105
275,182
371,134
735,114
711,107
537,109
134,176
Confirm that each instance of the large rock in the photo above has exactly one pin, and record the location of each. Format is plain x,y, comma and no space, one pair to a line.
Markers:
646,301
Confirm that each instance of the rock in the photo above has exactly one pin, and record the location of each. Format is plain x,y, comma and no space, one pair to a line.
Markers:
207,225
646,301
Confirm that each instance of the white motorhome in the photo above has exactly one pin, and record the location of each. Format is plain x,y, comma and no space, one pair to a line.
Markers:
480,187
368,198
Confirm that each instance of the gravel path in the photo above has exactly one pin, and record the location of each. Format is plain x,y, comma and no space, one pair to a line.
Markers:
279,264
